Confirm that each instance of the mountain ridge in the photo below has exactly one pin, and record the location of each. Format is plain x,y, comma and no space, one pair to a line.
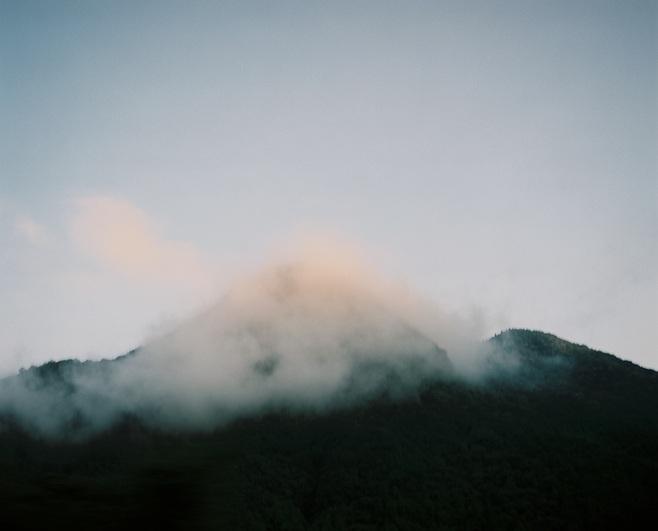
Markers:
516,357
578,450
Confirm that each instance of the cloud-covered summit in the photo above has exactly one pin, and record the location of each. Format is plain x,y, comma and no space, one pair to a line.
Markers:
315,331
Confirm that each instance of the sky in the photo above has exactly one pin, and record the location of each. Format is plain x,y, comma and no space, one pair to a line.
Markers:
498,158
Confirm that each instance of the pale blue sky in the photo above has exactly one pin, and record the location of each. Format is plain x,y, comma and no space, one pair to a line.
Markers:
499,157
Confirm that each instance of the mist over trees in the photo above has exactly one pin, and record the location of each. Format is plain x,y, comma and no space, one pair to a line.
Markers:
572,445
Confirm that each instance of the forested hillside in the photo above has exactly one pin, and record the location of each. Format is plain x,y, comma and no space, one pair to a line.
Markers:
570,443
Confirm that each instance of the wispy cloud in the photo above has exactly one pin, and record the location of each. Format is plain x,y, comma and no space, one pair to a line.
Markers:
123,238
96,289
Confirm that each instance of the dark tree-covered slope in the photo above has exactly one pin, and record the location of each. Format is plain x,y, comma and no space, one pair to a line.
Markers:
569,440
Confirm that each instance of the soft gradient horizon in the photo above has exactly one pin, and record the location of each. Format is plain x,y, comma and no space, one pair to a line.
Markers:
499,158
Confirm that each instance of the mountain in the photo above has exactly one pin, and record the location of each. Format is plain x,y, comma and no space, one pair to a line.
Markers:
552,436
295,338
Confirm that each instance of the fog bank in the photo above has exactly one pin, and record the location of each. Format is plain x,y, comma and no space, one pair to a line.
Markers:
312,330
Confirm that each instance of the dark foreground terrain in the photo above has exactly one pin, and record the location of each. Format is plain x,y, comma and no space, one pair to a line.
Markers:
569,442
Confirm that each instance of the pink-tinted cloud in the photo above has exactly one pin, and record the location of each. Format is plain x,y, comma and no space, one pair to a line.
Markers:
124,239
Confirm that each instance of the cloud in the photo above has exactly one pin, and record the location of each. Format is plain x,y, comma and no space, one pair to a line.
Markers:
313,329
97,290
122,237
